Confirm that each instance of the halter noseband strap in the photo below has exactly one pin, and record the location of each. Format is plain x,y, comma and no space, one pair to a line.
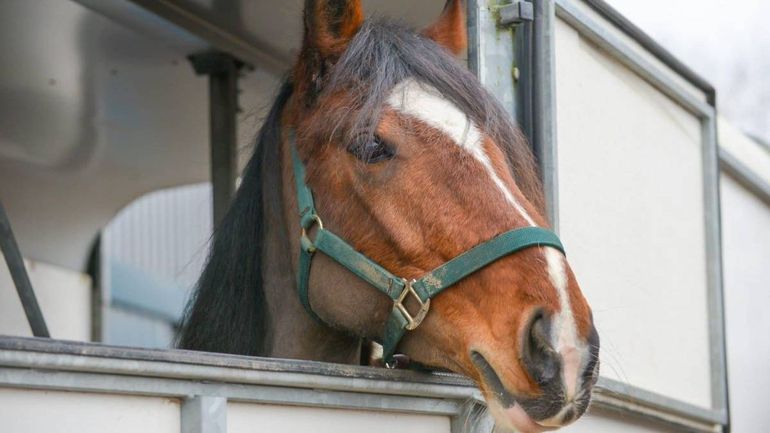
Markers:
398,289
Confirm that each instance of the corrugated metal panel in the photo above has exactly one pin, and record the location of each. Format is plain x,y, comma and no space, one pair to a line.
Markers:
153,252
164,233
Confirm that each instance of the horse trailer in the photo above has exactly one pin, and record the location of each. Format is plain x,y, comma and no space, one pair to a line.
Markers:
662,205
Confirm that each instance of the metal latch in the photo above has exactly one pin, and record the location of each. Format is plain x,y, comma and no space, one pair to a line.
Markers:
517,12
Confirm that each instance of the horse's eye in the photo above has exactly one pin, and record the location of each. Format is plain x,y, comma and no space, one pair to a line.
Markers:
371,150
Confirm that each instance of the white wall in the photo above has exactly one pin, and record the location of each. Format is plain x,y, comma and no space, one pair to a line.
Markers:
39,411
64,297
242,417
631,216
746,233
746,255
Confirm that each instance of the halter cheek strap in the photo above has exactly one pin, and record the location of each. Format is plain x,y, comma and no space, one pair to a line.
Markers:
421,290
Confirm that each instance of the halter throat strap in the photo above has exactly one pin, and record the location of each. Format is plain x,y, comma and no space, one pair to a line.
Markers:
398,289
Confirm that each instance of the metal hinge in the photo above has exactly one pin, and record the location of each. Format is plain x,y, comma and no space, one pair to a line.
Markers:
517,12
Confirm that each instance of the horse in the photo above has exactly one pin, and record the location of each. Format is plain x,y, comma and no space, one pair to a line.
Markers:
409,164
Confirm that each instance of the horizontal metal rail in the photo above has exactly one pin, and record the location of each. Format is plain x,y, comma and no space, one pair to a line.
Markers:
87,367
188,22
653,47
599,35
744,175
227,40
150,385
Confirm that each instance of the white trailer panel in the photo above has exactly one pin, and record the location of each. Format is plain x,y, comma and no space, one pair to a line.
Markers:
64,297
243,417
746,220
46,411
631,214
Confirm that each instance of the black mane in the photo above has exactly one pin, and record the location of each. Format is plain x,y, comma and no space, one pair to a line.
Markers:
227,313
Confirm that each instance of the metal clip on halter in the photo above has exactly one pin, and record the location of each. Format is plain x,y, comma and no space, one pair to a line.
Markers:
304,240
412,321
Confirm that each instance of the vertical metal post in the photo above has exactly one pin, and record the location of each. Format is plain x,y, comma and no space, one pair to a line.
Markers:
712,210
222,70
20,278
99,272
204,414
523,54
544,103
511,50
490,51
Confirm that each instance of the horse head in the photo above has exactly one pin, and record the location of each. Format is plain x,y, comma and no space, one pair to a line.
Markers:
413,163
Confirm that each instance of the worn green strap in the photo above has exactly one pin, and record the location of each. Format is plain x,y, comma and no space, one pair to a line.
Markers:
307,213
395,328
307,216
306,251
374,274
432,283
357,263
330,244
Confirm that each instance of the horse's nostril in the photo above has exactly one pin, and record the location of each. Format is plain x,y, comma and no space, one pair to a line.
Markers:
539,356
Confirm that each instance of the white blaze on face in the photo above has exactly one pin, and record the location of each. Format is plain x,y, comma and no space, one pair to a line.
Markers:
427,104
565,339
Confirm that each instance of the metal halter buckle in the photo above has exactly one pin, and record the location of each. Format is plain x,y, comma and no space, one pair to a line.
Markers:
413,321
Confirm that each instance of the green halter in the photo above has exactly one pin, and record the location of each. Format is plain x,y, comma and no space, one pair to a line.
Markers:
398,289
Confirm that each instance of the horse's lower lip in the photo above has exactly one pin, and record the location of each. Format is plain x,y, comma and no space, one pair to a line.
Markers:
564,417
506,402
517,419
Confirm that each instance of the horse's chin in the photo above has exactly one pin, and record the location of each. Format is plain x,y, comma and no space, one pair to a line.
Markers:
514,418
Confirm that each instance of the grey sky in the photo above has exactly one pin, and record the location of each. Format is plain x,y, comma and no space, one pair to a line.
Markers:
727,42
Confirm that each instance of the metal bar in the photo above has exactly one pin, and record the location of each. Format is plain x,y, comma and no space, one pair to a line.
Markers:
94,270
713,227
490,52
192,19
20,277
654,48
610,43
36,363
23,344
171,370
544,104
204,414
524,75
222,70
744,175
609,391
247,393
679,421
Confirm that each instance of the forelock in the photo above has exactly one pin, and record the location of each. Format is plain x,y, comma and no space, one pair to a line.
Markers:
384,53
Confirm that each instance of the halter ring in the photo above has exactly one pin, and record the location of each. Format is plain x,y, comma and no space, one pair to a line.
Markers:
412,321
305,241
316,220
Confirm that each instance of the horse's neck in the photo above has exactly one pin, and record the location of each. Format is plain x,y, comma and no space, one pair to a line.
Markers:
291,332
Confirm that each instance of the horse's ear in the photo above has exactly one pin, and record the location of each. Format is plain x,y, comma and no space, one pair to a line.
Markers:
329,27
450,30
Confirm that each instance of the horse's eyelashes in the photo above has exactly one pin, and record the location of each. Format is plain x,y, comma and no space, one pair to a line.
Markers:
371,150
